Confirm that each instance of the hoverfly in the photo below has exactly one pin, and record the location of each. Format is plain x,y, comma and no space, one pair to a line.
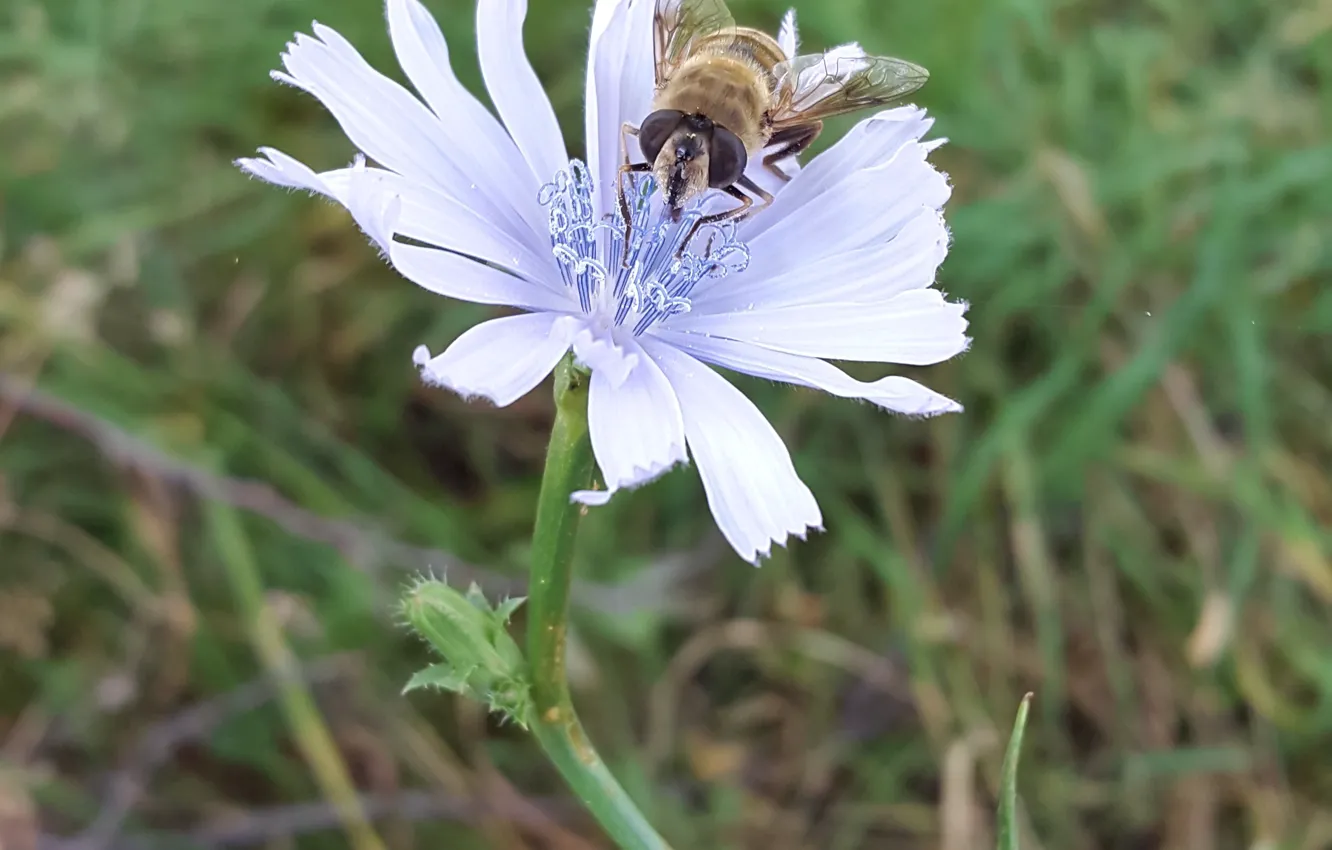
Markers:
726,93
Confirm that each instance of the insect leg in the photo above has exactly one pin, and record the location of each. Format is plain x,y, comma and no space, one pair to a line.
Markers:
793,140
746,183
626,130
627,167
626,215
741,211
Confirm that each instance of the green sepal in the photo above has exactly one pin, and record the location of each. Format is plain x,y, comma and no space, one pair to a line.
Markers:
442,676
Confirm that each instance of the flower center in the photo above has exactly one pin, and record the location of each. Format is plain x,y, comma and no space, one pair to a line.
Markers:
635,266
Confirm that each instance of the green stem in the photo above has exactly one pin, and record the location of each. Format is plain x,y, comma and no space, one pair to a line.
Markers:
313,738
556,726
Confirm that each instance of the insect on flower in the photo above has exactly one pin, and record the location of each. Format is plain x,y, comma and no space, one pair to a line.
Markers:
725,93
487,207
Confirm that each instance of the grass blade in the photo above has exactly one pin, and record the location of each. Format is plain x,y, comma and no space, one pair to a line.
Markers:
1008,829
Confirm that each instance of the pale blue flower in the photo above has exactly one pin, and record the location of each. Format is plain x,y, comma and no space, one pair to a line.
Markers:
841,266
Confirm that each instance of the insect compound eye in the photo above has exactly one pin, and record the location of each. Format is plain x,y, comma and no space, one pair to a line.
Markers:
656,129
726,159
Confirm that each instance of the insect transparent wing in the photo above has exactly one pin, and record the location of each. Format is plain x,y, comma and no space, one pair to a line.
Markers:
678,25
821,85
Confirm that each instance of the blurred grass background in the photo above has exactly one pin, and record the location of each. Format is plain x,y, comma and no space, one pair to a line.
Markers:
217,467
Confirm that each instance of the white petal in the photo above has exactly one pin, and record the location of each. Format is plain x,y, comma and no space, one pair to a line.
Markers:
895,393
459,276
281,170
918,327
787,37
475,137
636,427
592,498
441,221
425,214
502,359
386,122
602,352
620,80
357,189
515,89
375,210
871,142
909,260
752,487
866,207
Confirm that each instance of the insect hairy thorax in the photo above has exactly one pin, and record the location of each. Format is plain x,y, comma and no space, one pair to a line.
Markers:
729,78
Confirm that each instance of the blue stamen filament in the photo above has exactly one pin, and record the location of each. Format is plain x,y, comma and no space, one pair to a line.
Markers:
633,273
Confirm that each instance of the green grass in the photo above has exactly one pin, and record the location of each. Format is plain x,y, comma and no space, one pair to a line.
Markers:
1131,520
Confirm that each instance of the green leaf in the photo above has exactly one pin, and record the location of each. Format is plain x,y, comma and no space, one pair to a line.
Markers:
1008,829
443,676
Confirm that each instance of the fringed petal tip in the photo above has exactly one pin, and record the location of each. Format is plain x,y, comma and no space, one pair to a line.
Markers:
904,397
274,166
942,407
752,487
640,475
283,77
433,377
758,556
918,327
375,210
946,405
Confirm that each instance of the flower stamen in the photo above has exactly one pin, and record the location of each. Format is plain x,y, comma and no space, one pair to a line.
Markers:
639,271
